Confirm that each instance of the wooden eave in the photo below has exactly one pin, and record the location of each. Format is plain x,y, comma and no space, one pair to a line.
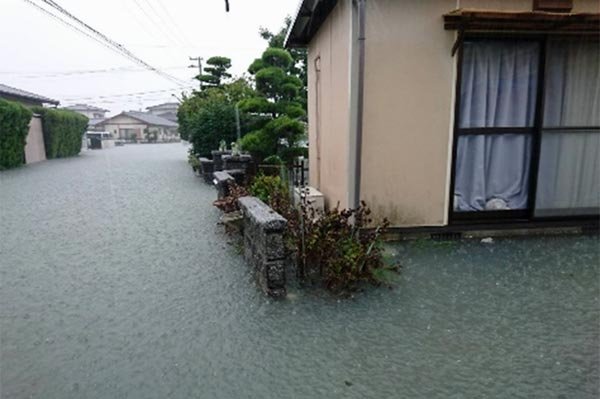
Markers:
539,21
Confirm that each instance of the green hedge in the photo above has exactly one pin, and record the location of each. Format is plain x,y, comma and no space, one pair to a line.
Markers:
14,126
63,131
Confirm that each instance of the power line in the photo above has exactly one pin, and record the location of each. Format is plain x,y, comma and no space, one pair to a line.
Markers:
126,94
34,75
109,42
174,24
30,2
153,21
165,24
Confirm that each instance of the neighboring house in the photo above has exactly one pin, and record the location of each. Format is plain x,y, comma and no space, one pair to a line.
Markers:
25,97
134,125
166,110
94,114
441,114
89,111
35,151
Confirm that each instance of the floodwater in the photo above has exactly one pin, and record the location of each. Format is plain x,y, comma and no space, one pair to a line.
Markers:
116,282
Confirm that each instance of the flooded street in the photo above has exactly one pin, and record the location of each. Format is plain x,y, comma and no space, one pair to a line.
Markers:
116,282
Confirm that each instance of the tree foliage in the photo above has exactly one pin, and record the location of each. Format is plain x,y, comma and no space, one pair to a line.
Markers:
14,126
280,96
216,72
208,117
63,131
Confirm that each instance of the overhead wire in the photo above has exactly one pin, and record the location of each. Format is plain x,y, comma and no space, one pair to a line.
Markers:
99,36
134,94
174,24
34,75
168,35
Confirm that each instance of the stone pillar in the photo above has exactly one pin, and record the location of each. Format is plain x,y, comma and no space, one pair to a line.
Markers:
207,168
217,159
264,245
222,181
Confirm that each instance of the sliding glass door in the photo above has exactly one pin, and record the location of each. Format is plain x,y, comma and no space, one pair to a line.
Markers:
568,177
526,137
498,98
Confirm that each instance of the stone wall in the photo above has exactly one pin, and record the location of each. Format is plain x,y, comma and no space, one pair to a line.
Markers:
222,180
207,168
264,246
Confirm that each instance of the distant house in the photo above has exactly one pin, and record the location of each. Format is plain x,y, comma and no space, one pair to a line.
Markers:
94,114
89,111
166,110
35,151
25,97
444,115
140,126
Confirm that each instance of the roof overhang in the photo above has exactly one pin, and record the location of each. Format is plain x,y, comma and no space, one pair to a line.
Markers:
538,21
310,16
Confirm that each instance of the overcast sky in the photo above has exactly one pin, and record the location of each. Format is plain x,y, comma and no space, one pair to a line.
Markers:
42,55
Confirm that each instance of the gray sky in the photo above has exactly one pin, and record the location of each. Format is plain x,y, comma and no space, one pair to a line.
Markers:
42,55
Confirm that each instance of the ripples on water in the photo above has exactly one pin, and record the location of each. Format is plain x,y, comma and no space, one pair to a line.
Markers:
116,282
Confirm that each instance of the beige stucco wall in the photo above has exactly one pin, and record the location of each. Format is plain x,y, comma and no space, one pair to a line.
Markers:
35,151
330,123
408,110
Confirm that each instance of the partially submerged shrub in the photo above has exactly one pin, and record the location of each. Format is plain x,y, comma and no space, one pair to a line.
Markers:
230,202
193,161
14,126
340,248
63,131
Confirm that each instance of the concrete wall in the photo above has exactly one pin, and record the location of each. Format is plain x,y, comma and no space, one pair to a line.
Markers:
330,120
35,151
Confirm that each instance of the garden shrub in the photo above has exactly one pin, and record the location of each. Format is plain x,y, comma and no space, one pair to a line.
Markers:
339,248
14,126
193,161
63,131
230,202
267,187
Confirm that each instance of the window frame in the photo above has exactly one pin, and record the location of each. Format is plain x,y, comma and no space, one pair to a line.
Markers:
535,131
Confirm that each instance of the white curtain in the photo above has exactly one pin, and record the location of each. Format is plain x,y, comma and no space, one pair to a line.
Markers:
569,173
498,89
499,83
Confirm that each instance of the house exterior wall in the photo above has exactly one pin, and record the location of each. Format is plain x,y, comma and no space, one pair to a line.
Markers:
35,151
410,79
123,122
524,5
329,109
409,82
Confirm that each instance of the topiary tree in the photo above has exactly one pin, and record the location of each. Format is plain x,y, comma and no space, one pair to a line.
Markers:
299,57
216,72
278,96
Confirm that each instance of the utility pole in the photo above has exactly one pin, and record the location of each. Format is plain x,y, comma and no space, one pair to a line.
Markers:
199,66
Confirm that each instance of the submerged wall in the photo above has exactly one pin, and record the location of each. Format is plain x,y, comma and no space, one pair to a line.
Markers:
34,149
264,246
